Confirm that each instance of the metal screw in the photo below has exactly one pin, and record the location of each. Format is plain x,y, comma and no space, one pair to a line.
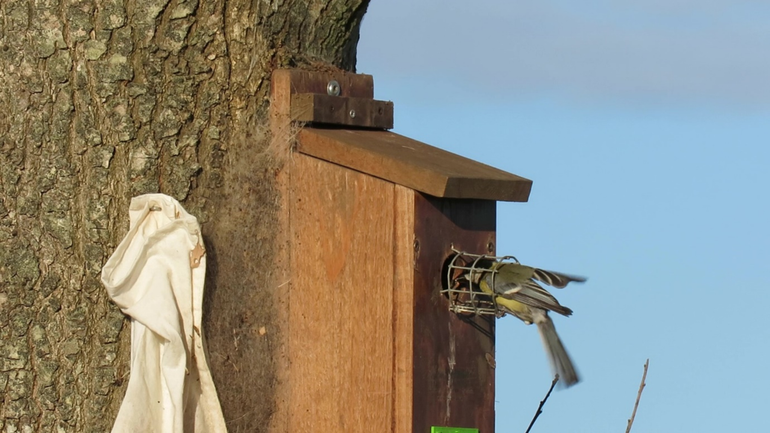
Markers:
333,88
352,113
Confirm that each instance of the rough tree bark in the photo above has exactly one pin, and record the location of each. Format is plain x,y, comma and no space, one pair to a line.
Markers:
103,100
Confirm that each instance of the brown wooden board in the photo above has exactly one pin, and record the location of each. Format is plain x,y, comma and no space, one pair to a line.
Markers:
453,378
340,299
291,81
287,82
413,164
339,110
403,310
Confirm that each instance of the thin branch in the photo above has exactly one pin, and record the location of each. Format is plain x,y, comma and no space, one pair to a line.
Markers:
542,403
638,396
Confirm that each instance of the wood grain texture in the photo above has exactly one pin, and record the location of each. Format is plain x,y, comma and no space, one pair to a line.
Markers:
403,310
286,82
281,139
453,381
341,299
342,111
351,84
413,164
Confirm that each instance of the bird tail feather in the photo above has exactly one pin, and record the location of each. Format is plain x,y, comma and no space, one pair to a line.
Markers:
557,354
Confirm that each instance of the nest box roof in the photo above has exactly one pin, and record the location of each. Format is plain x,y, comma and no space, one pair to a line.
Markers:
332,99
413,164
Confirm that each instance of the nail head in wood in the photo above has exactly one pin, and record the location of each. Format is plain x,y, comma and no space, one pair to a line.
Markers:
346,111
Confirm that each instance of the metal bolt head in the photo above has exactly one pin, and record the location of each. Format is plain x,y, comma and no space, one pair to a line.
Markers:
333,88
352,114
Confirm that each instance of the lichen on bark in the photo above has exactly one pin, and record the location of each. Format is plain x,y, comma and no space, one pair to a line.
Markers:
103,100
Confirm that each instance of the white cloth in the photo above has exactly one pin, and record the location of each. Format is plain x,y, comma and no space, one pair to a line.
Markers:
152,278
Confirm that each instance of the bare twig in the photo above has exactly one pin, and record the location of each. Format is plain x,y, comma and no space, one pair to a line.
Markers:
638,396
542,403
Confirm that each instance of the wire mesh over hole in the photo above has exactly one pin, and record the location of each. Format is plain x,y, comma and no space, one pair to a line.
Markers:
462,272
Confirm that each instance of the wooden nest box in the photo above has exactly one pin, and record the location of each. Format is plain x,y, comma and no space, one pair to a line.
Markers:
372,219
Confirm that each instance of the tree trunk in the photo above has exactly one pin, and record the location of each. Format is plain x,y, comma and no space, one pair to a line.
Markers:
104,100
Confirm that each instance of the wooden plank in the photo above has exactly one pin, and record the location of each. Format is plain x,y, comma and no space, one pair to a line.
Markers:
281,272
413,164
351,84
341,315
338,110
454,383
286,82
403,310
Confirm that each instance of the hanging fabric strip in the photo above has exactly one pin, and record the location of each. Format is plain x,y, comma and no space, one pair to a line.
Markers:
156,277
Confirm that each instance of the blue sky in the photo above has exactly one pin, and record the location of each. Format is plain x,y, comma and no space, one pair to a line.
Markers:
646,131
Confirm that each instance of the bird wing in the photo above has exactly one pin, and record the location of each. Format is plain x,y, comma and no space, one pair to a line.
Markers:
555,279
510,278
502,286
536,296
517,283
528,292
